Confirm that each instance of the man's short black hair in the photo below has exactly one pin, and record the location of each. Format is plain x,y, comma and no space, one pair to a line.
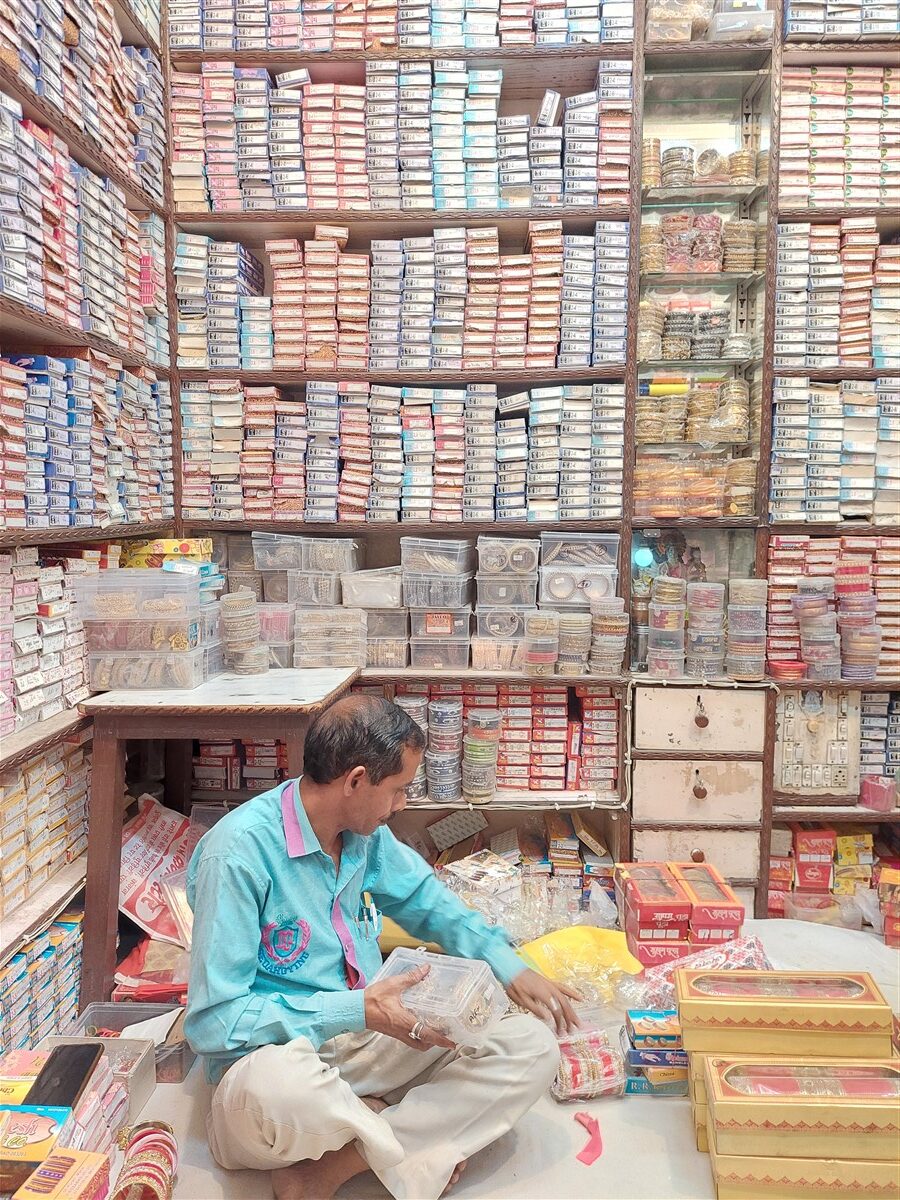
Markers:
359,731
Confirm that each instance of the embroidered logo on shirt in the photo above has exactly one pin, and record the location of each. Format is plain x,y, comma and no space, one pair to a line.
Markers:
283,946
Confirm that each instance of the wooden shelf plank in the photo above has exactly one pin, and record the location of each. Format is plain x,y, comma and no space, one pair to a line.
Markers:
694,523
16,748
840,53
836,374
252,228
660,56
81,147
40,909
523,801
833,529
325,374
60,535
844,814
20,323
501,528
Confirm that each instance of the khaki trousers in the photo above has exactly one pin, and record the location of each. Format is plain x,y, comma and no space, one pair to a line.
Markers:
282,1104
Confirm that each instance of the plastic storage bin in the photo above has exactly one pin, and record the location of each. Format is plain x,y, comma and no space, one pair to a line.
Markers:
580,549
432,556
508,556
458,997
137,592
742,27
251,581
314,588
178,635
275,587
387,652
276,622
331,554
281,654
504,622
387,623
173,1060
436,654
452,623
437,591
506,589
278,552
113,669
131,1060
380,588
575,587
213,659
211,622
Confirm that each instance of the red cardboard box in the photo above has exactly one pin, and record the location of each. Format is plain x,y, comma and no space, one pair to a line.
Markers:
814,876
713,904
814,845
655,925
651,954
652,893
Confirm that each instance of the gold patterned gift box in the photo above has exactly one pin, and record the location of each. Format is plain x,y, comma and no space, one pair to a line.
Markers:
837,1108
744,1177
783,1012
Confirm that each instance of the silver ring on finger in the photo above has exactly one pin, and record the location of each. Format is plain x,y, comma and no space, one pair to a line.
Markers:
416,1032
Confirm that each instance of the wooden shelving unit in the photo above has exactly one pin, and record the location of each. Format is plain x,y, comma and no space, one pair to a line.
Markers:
41,908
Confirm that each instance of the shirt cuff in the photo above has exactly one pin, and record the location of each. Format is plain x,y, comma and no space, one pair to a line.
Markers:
343,1012
505,963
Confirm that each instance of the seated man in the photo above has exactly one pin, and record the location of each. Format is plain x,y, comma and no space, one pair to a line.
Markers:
321,1074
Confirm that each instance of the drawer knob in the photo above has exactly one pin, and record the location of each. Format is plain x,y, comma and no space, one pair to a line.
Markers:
697,856
700,791
701,720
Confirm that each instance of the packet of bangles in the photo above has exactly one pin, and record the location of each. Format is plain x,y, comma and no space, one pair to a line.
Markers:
590,1064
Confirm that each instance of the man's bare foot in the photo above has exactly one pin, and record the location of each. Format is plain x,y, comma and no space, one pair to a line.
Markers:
455,1177
318,1180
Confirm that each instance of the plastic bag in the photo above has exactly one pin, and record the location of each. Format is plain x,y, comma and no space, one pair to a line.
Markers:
156,972
590,1064
656,987
593,961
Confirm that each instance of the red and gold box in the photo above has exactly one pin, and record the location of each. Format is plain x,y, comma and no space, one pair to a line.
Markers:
783,1012
653,895
714,906
652,953
744,1177
831,1109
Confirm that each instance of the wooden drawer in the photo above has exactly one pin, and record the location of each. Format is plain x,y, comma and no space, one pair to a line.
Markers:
697,791
733,852
747,897
699,719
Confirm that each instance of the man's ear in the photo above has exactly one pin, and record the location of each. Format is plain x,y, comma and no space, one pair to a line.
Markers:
354,779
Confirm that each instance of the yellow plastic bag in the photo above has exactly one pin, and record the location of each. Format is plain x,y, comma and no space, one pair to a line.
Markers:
593,961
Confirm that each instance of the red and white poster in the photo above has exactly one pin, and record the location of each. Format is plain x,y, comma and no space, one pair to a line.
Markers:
154,842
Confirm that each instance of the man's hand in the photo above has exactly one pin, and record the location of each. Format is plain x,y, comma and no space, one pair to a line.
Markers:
385,1012
545,999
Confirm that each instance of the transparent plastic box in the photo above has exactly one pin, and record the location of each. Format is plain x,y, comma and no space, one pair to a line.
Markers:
351,654
452,623
114,669
437,591
387,652
278,552
173,1061
460,998
508,556
179,634
506,622
575,587
506,589
211,622
314,588
434,654
240,551
213,659
251,581
322,624
275,587
131,1061
433,556
387,622
136,592
666,639
379,588
276,622
580,549
332,554
281,654
742,27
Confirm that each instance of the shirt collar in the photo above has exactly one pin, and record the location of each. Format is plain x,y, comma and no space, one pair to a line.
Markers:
299,836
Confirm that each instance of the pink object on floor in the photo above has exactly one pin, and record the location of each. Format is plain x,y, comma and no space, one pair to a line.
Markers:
594,1147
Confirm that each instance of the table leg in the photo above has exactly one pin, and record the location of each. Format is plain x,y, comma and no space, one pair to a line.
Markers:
295,736
101,897
179,771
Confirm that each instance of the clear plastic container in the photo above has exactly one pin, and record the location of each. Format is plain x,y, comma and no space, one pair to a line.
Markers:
493,654
434,654
459,997
312,589
580,549
432,556
136,592
275,587
705,643
211,622
506,589
508,556
113,669
240,551
179,634
131,1061
746,618
281,654
742,27
575,587
665,664
278,552
437,591
451,623
330,654
380,588
276,622
748,591
213,659
173,1059
387,652
666,639
329,623
251,581
506,622
332,554
387,622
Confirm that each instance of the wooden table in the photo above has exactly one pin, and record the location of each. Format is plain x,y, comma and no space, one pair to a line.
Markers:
276,705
